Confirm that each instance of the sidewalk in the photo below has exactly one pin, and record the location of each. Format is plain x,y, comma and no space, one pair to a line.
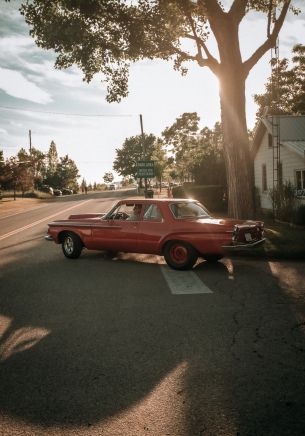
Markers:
9,206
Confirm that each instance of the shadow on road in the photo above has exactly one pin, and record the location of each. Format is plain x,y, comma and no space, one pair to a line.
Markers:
81,343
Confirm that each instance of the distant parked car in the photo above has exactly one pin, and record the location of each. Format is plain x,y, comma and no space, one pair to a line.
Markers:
47,189
111,187
66,191
57,192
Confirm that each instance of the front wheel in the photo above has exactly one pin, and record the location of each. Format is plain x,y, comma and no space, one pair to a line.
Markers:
71,245
180,255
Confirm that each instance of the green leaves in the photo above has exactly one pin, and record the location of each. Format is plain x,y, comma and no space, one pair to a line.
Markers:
108,177
198,153
131,152
285,88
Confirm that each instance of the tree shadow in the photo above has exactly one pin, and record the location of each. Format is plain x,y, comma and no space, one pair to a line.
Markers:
79,345
258,375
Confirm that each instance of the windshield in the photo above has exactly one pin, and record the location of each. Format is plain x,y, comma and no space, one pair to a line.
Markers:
188,209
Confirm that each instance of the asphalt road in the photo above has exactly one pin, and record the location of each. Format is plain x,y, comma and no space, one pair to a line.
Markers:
95,346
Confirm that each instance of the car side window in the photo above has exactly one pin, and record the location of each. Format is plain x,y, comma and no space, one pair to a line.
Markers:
123,212
152,213
126,211
184,210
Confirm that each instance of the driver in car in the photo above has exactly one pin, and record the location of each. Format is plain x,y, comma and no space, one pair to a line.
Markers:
135,216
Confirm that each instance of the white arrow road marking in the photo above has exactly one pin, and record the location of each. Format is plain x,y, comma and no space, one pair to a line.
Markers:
35,223
184,282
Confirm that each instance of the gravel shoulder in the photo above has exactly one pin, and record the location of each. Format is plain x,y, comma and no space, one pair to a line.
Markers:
10,206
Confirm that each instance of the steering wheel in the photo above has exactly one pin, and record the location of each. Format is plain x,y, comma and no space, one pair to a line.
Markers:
120,216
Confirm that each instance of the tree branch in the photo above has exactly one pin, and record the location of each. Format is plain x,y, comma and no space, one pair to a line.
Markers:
202,62
184,55
210,61
238,10
197,39
211,8
270,41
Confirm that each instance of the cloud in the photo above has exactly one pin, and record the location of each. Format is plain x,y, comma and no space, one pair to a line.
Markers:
3,131
16,44
46,71
15,84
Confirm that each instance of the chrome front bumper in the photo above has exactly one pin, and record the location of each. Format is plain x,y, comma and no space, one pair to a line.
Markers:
48,238
244,246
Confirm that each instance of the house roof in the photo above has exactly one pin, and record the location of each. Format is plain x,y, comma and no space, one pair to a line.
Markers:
291,132
296,146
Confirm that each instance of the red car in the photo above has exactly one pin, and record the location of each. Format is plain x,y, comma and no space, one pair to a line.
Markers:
179,229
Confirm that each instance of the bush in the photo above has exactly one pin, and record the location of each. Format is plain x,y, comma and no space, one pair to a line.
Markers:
284,201
178,192
30,195
299,216
211,196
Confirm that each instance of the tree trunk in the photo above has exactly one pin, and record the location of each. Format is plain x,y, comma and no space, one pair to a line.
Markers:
239,165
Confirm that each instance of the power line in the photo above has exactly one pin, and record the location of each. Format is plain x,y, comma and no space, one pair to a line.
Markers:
66,113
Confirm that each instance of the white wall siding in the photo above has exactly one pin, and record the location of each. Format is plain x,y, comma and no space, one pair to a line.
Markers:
291,161
263,156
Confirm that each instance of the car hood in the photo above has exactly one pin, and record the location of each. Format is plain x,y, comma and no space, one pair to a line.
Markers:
85,216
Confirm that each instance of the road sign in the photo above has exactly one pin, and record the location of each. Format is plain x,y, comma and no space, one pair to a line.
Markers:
145,169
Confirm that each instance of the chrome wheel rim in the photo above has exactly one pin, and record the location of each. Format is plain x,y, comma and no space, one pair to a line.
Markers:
68,245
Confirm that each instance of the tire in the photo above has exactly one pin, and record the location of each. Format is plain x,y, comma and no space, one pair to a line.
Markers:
212,257
71,245
180,255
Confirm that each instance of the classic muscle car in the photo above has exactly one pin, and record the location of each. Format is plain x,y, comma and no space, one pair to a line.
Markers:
179,229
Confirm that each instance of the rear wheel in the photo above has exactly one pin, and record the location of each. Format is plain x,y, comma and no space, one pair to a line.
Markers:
180,255
71,245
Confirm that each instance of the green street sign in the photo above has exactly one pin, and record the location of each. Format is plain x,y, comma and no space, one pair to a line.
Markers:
145,169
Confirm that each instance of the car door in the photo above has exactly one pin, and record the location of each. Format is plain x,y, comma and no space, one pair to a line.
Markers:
151,229
117,233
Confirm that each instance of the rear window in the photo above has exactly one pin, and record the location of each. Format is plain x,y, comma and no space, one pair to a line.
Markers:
184,210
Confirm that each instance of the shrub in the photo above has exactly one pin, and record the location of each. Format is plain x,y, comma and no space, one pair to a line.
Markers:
284,201
299,215
211,196
178,192
30,195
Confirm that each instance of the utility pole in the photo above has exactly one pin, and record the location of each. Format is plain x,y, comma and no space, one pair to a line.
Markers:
30,137
32,163
144,150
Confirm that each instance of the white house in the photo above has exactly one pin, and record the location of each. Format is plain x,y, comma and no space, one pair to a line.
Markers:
279,155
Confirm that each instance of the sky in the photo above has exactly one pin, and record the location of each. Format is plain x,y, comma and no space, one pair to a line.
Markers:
57,105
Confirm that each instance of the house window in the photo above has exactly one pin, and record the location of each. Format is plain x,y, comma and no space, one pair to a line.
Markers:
300,179
270,141
264,177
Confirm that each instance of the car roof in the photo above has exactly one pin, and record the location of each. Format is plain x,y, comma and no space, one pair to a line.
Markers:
156,200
